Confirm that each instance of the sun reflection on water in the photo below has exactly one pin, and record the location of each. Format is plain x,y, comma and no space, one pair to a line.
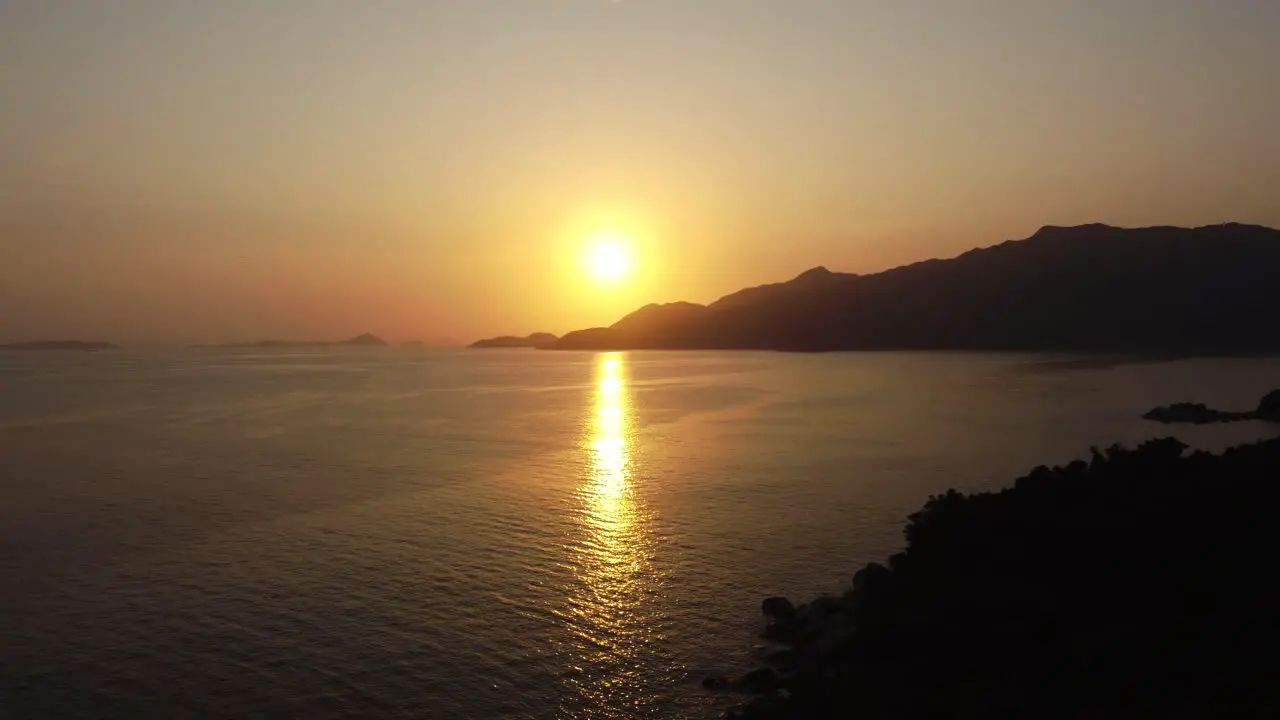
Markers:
612,609
609,457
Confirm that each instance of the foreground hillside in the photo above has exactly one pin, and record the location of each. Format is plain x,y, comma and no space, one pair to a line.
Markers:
1092,287
1134,585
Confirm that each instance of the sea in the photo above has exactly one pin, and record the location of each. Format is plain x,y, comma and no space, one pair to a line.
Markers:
501,534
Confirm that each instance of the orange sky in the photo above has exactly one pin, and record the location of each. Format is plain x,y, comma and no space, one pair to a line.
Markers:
235,170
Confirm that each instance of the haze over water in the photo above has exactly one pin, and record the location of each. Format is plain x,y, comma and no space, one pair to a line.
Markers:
397,533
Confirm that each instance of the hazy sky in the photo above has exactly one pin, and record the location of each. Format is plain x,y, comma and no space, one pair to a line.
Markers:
181,171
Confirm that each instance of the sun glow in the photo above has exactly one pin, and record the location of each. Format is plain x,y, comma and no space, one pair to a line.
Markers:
609,258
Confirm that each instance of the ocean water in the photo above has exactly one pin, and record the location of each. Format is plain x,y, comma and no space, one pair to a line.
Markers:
490,534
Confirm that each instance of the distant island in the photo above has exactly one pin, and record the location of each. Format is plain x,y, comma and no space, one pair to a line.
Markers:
536,340
365,340
80,345
1089,288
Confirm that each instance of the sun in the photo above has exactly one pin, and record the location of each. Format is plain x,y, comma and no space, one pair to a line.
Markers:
609,258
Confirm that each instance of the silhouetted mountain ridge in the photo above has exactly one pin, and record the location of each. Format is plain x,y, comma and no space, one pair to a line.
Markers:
1089,287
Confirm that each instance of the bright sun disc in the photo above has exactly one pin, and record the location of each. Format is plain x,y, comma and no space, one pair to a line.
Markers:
609,259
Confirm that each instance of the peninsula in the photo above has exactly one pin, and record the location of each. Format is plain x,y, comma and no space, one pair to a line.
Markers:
1086,288
536,340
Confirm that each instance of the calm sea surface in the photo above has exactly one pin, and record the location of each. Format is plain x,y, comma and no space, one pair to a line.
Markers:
498,534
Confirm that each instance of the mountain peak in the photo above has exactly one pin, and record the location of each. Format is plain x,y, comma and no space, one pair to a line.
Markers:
665,310
816,272
1061,230
1073,232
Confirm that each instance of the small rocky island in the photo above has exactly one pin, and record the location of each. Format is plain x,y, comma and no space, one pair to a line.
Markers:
79,345
1136,584
1184,412
536,340
365,340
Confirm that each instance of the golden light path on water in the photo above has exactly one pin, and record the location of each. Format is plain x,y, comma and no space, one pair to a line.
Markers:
613,611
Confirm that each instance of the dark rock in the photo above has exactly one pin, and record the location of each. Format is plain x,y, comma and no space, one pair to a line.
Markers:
761,680
897,561
777,607
825,605
779,630
873,575
784,659
769,707
715,682
813,617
